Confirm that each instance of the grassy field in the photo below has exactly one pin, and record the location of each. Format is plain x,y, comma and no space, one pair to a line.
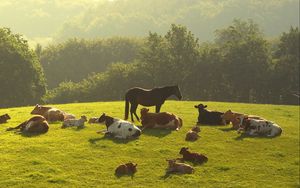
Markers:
81,158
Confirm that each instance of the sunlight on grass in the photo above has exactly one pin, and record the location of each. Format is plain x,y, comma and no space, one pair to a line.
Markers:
82,158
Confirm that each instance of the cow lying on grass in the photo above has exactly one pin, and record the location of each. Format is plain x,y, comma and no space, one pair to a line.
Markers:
175,167
35,125
162,120
93,120
126,169
192,135
52,114
255,127
4,118
192,157
74,122
209,117
235,118
119,128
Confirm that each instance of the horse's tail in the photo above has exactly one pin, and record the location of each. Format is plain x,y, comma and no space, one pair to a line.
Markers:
126,107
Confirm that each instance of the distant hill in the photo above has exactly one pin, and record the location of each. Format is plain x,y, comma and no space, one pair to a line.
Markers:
138,17
47,20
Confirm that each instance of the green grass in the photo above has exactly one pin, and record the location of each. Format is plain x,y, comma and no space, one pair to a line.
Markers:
82,158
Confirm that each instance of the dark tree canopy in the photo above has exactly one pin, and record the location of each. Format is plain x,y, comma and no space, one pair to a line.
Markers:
21,76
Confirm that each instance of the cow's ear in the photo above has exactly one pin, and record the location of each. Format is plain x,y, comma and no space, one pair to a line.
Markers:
205,106
196,106
229,110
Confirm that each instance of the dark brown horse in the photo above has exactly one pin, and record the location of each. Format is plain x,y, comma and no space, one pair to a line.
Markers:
148,97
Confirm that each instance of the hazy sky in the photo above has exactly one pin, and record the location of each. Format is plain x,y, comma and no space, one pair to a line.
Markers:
42,20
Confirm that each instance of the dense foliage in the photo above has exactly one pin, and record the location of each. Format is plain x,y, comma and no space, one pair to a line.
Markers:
21,76
75,59
240,65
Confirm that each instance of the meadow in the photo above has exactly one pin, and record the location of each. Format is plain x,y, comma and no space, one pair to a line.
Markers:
82,158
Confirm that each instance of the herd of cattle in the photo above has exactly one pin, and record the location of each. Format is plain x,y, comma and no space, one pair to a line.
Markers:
117,128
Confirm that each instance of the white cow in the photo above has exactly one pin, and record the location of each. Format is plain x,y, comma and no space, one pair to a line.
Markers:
119,128
74,122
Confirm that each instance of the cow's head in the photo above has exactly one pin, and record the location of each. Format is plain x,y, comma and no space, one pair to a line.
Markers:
37,109
131,167
200,106
183,150
6,116
228,116
83,118
144,111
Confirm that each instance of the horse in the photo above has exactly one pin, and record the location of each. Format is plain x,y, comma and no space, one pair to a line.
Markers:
148,97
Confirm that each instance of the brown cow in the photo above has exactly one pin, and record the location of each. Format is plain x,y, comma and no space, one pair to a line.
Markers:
162,120
192,157
235,118
51,114
181,168
4,118
35,125
191,136
126,169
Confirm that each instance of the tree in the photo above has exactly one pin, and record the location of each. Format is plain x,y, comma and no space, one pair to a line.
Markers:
287,61
21,76
246,59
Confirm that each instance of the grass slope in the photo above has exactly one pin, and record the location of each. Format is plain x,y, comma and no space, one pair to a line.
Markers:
82,158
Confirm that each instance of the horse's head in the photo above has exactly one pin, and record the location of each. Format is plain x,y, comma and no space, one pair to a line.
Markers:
176,92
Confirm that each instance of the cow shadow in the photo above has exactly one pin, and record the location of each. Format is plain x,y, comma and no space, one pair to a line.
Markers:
115,140
28,135
227,129
160,133
245,135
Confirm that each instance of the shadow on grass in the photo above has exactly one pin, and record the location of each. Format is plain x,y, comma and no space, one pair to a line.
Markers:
126,175
115,140
160,133
245,135
227,129
30,134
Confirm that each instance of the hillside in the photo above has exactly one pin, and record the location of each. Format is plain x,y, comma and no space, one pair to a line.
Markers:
82,158
60,20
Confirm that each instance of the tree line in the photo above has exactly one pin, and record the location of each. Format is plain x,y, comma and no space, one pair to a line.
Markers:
240,65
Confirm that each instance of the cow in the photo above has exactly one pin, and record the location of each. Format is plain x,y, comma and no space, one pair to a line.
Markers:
191,136
254,127
93,120
209,117
74,122
126,169
162,120
175,167
234,118
4,118
35,125
118,128
51,114
192,157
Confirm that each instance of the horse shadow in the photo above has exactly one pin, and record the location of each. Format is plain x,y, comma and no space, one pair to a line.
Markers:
160,133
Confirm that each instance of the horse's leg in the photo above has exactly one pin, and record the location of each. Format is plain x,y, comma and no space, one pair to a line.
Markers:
157,109
133,111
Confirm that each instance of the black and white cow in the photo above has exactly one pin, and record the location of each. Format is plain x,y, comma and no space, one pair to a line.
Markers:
119,128
254,127
209,117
